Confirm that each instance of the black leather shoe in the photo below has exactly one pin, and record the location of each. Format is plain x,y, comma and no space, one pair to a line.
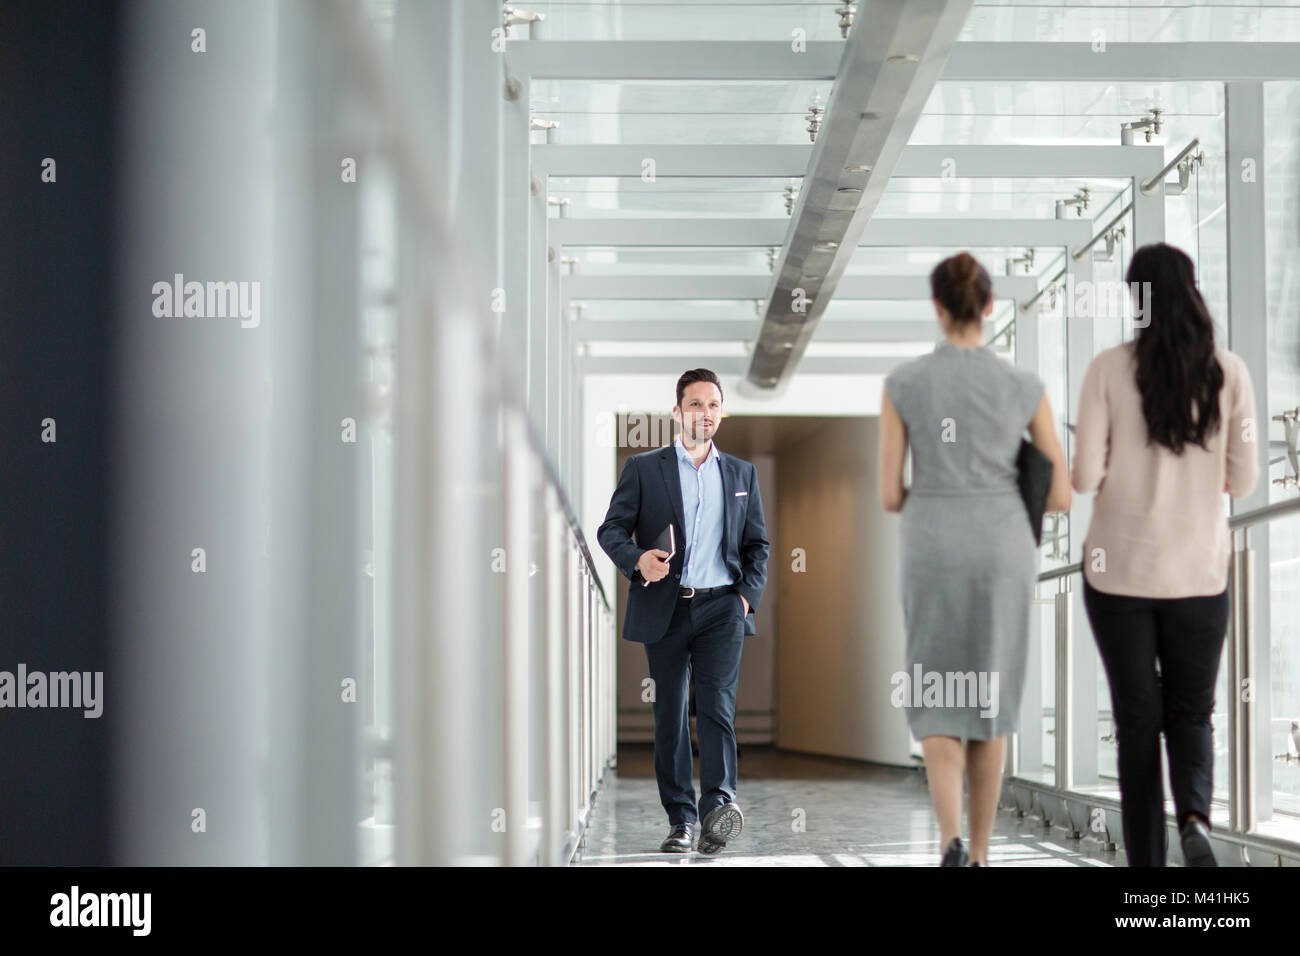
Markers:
1196,844
679,840
955,854
709,846
723,823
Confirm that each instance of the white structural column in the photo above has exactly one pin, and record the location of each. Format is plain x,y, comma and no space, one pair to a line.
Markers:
474,131
523,340
554,769
1248,337
544,331
1027,750
445,706
570,375
1083,650
519,467
559,391
1148,211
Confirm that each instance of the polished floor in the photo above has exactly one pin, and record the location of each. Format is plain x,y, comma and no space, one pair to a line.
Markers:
805,810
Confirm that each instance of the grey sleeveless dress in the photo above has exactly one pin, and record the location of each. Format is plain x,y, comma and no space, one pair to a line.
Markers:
968,553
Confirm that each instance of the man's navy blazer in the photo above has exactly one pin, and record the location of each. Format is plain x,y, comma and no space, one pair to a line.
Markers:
648,497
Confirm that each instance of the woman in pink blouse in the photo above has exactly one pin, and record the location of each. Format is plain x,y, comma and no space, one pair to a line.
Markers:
1166,427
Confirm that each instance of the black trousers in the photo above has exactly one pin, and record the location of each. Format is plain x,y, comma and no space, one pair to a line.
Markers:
704,641
1185,635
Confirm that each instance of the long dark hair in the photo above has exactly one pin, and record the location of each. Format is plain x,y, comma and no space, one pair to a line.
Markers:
1177,373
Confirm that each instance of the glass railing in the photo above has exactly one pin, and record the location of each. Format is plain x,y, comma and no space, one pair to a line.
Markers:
1063,763
486,639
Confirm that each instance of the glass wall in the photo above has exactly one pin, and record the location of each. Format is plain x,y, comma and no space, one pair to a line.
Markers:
1282,226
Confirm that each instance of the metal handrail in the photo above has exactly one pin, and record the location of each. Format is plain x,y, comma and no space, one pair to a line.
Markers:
1083,250
571,516
1043,291
1242,580
1062,572
405,151
1245,519
1152,186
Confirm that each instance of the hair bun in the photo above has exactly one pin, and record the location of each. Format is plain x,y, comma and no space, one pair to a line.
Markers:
964,267
962,286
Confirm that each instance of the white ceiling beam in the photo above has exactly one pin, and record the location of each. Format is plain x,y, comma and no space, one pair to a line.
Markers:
759,161
591,287
731,364
939,233
721,330
1121,62
674,60
791,161
968,61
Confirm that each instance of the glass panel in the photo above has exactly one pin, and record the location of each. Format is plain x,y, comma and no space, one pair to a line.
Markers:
1196,222
1282,274
677,260
686,19
1063,113
1283,774
920,260
1147,21
989,198
538,621
1119,21
630,197
378,245
755,260
1043,630
1112,326
683,112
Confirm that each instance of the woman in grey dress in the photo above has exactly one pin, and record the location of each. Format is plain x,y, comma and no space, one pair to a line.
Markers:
968,554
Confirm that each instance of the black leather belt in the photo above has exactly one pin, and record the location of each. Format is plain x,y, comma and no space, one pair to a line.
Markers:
703,592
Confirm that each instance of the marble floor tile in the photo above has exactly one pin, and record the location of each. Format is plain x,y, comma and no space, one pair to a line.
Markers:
803,810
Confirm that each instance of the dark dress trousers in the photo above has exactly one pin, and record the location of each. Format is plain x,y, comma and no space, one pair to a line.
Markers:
700,637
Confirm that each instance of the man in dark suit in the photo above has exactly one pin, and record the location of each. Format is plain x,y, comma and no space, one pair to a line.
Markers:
693,611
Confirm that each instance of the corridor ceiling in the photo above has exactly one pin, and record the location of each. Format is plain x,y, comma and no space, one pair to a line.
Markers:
691,205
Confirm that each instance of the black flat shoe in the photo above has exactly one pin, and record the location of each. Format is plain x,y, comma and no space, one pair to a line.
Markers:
1196,844
955,854
679,840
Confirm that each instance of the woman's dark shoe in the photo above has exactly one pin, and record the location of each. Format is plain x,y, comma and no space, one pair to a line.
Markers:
977,863
955,854
1196,844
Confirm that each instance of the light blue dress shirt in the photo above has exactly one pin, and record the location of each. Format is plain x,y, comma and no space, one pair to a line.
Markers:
702,509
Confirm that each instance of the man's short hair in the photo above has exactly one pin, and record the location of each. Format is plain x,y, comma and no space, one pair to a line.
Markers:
696,375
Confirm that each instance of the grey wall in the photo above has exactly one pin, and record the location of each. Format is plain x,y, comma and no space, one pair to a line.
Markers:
816,675
840,620
756,691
